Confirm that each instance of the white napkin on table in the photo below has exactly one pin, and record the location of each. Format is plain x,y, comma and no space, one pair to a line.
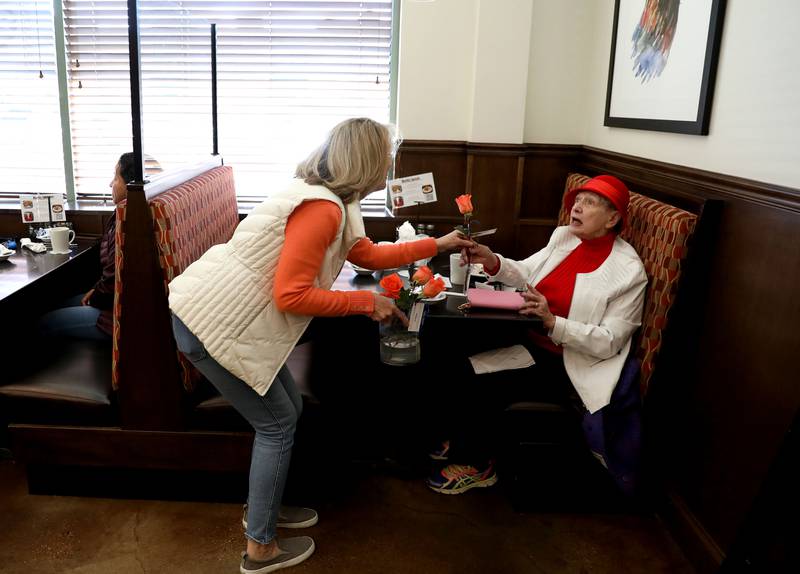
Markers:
5,251
406,233
35,247
505,359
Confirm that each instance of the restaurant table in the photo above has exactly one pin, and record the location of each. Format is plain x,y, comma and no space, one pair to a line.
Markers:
31,283
386,410
448,308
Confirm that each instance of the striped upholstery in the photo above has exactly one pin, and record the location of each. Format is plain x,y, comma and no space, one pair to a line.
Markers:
119,241
660,234
187,220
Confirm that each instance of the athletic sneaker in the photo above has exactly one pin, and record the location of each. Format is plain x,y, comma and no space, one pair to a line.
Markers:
290,517
293,552
442,452
457,478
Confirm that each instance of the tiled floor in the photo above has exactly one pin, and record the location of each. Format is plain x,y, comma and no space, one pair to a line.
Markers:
381,524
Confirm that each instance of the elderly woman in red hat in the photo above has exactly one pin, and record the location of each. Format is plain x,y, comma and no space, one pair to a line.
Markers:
587,286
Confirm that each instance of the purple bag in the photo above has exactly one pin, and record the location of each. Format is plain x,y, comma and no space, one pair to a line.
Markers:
615,431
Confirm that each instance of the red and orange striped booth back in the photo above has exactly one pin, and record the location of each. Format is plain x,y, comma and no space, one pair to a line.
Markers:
660,234
187,220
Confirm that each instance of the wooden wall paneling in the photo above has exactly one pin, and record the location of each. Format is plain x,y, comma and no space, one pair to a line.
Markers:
494,183
85,223
736,399
89,223
684,183
531,236
448,163
382,228
544,175
11,225
767,542
743,391
546,169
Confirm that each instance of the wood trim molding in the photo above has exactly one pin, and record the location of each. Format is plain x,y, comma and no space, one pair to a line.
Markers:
438,146
679,177
703,551
538,222
682,181
124,448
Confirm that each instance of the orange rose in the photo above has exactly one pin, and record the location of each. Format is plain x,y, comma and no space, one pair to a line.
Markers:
464,203
392,285
422,275
433,287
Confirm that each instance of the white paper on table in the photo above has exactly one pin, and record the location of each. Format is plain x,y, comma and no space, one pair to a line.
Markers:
505,359
415,317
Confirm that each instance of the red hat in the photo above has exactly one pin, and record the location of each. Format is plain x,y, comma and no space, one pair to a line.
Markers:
609,187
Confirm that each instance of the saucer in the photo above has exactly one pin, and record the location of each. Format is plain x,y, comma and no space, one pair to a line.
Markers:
438,297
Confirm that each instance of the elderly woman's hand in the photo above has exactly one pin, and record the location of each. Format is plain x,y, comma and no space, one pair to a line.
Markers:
536,306
385,309
478,253
453,241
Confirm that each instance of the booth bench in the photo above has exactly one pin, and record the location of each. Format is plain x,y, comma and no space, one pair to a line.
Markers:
139,404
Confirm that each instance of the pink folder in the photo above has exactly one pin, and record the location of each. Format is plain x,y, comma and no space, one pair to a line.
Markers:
510,300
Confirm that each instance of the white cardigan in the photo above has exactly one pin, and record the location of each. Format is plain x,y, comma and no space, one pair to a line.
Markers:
225,297
605,311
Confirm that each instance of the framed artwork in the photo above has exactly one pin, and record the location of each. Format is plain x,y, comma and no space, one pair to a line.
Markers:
663,64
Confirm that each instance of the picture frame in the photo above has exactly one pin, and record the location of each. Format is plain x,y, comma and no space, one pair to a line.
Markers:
663,64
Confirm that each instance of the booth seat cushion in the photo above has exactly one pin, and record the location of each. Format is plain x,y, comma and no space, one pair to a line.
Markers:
215,413
187,220
660,234
72,386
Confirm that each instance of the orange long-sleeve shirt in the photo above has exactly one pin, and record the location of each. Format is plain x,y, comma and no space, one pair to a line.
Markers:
311,228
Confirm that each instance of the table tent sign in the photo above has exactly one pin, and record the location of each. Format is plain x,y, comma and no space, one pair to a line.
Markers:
42,208
412,190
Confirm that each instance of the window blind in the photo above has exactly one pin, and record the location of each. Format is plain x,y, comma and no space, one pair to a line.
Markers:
287,72
31,156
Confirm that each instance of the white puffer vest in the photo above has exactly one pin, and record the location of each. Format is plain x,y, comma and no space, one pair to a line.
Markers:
225,297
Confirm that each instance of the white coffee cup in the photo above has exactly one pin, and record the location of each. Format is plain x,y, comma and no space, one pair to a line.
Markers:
61,237
458,272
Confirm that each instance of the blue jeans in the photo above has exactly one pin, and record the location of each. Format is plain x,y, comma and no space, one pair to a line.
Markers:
274,419
73,321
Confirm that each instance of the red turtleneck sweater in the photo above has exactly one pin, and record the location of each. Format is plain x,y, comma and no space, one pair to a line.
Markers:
559,285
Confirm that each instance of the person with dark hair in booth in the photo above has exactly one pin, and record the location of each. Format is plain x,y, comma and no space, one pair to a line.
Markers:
587,286
89,316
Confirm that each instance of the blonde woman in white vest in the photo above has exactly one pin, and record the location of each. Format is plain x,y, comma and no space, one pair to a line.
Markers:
239,310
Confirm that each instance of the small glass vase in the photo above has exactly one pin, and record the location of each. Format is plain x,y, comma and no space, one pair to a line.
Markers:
399,346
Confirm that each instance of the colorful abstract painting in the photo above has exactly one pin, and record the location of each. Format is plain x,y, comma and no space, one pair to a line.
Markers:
653,37
663,64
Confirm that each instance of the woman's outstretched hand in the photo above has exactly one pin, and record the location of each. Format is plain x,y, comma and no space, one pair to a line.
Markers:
385,309
478,253
453,241
536,305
